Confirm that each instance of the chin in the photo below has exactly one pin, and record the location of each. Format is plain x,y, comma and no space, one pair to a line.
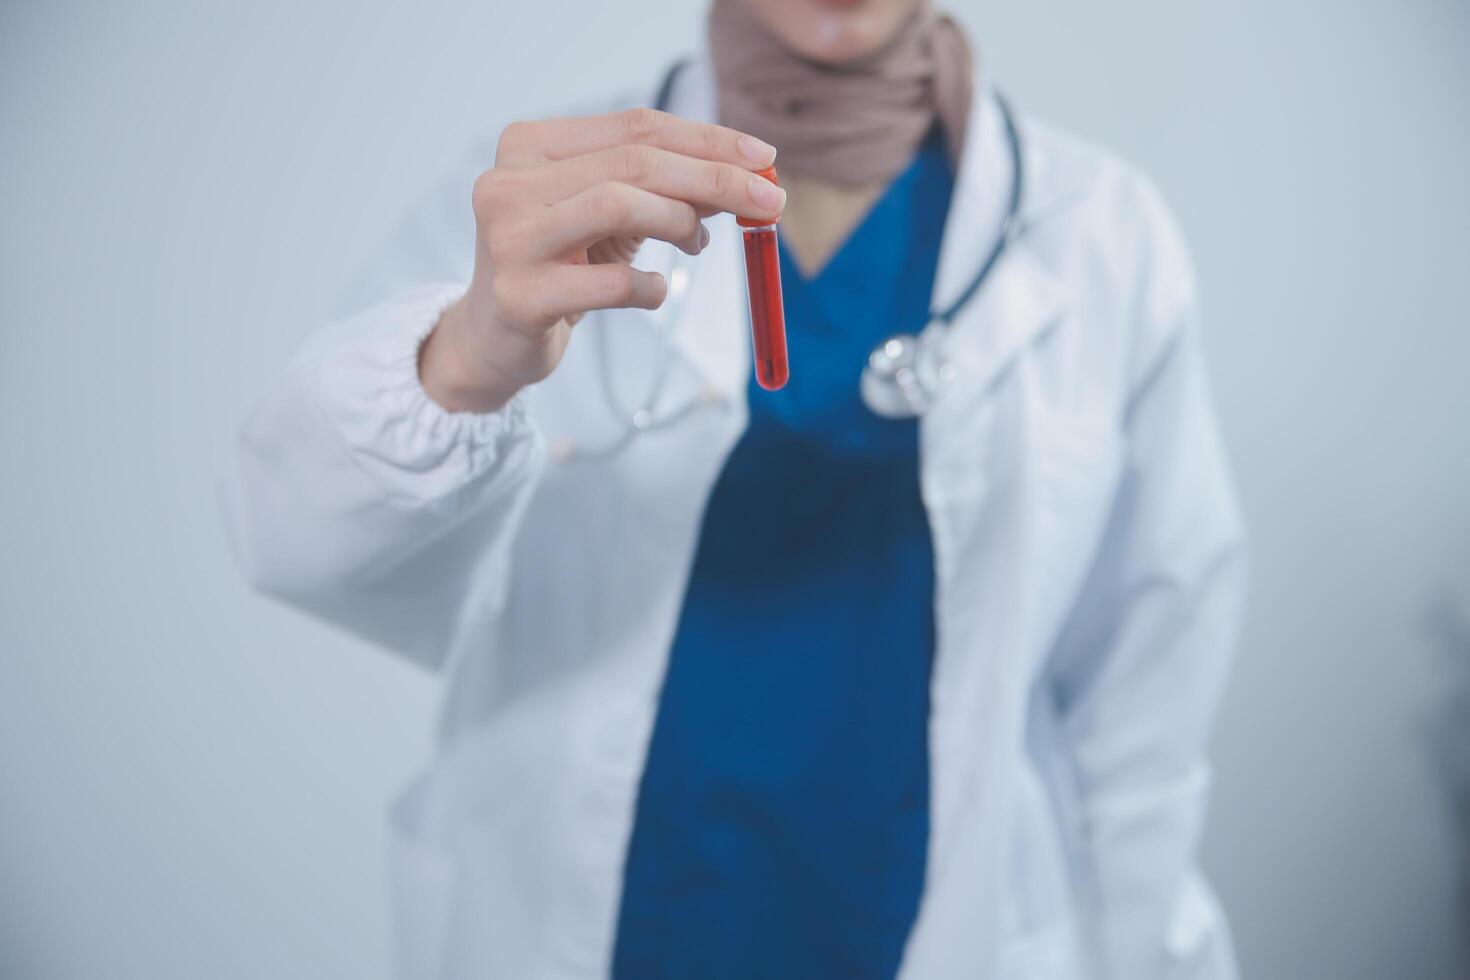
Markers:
832,31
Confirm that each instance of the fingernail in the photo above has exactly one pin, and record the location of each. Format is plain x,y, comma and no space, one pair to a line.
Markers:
767,194
703,238
758,153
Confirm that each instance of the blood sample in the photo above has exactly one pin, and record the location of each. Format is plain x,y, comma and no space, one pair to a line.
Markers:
767,316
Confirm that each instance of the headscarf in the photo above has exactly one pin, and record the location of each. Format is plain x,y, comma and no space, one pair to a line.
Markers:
853,122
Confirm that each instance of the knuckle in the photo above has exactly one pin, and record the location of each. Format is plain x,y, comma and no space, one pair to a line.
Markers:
610,205
721,178
712,143
641,124
512,139
634,164
486,193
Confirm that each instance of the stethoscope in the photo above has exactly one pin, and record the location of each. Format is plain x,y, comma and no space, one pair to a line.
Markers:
904,373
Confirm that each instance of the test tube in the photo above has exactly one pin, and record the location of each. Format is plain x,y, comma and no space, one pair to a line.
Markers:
767,317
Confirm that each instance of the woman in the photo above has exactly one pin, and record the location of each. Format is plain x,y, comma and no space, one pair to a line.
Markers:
775,686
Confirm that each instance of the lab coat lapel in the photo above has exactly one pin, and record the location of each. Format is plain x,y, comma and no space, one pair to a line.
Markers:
970,452
1020,298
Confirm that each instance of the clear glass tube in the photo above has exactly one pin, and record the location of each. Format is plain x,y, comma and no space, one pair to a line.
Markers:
767,315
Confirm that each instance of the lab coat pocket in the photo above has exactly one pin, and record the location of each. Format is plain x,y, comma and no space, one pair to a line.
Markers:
1199,941
1077,465
1078,460
420,888
1039,937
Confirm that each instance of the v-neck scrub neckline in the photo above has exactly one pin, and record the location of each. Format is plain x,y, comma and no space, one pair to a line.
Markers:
782,820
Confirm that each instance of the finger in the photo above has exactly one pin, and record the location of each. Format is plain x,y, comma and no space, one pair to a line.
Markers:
526,143
569,290
702,183
610,210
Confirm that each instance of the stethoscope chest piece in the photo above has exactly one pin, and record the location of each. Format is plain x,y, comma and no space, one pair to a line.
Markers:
904,375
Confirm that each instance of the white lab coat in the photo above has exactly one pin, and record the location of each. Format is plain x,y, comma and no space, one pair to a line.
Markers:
1088,582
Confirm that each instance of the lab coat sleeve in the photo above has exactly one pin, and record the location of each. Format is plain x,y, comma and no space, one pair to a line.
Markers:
1140,665
349,493
352,495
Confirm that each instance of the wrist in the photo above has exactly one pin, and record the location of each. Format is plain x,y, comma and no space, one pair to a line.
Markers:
453,378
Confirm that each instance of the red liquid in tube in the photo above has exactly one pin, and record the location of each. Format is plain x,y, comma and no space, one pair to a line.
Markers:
767,316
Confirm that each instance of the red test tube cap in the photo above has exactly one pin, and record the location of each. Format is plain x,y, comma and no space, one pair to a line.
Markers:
770,174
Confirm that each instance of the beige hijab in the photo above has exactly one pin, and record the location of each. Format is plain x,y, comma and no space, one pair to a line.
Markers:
854,123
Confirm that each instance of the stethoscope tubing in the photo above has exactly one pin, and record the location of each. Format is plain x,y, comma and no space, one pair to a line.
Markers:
916,395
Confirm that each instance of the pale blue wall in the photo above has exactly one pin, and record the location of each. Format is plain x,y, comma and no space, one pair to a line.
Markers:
192,780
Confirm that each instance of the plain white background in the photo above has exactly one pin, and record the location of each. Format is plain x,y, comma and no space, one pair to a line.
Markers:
192,781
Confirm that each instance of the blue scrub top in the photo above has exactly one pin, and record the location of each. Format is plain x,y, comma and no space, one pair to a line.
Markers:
783,814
